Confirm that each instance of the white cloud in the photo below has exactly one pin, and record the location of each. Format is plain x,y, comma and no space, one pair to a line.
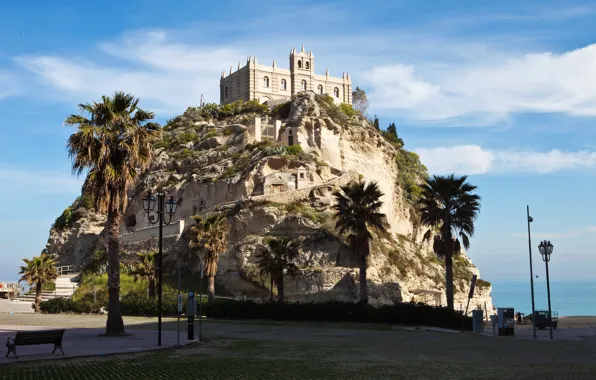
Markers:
473,159
490,92
167,76
34,181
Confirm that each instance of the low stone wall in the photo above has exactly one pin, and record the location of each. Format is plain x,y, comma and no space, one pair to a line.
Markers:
295,195
142,234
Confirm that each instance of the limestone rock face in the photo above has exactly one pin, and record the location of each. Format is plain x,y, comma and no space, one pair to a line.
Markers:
267,192
77,244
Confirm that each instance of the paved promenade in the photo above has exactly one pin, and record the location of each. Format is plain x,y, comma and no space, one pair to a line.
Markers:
264,350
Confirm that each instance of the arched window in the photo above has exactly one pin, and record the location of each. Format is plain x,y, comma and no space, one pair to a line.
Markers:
226,91
283,85
320,88
336,92
303,85
299,64
266,82
307,65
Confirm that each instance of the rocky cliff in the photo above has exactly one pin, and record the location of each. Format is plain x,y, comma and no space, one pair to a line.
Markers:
274,175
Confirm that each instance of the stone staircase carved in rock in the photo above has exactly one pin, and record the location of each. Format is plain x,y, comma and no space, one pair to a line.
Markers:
66,284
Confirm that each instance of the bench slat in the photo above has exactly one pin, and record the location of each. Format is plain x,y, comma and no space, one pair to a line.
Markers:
26,338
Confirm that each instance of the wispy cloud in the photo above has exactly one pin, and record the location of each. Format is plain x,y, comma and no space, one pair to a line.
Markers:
168,76
24,180
473,159
9,85
579,232
489,93
444,78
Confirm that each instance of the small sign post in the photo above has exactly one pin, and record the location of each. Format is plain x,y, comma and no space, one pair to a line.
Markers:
190,313
470,296
201,304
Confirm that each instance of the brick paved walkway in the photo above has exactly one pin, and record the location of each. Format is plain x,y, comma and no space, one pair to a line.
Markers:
278,351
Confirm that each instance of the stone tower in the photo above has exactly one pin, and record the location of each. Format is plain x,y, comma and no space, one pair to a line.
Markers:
302,68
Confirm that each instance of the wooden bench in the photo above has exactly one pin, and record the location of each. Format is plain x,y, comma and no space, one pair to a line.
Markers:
30,338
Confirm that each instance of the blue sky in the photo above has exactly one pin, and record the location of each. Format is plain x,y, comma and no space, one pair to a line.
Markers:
504,92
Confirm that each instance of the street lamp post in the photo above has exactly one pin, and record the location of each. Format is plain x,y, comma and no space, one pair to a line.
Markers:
546,249
163,207
530,220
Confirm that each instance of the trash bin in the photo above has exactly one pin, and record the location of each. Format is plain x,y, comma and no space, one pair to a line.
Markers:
478,321
494,320
506,320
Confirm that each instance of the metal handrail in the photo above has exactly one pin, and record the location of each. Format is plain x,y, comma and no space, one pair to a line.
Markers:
65,269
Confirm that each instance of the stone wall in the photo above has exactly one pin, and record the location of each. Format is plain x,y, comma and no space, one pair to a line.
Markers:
142,234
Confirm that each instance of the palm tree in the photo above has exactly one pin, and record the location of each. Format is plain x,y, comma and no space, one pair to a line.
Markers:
146,268
279,255
209,238
449,207
114,143
37,271
357,214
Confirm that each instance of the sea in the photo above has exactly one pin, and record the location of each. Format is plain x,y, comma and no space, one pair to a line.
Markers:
568,298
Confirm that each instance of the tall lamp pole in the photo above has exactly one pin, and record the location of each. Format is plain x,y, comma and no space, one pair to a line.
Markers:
546,249
163,207
530,220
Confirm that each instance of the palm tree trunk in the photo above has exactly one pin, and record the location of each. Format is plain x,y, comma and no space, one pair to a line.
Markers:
363,285
114,324
363,267
37,296
211,289
449,280
151,287
280,288
271,289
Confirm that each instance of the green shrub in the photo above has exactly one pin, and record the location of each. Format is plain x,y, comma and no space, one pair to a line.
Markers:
410,173
208,135
183,154
301,209
294,150
136,305
67,305
483,283
239,107
348,110
274,151
335,311
186,137
165,142
64,221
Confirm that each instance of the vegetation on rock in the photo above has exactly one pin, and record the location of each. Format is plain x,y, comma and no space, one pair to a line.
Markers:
73,213
207,145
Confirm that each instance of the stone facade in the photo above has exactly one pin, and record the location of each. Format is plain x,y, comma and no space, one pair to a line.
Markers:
273,85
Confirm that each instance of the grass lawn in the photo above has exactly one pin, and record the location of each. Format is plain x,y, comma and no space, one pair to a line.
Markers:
245,359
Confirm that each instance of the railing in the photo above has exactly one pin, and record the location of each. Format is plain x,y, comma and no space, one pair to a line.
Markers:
65,269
